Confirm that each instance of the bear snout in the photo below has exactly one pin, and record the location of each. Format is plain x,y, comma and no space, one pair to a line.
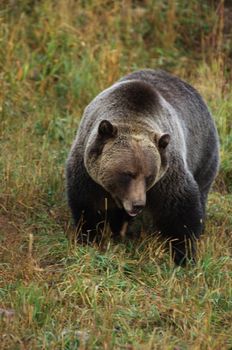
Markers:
133,208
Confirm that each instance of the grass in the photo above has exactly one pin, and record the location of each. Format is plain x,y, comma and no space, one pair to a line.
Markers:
55,294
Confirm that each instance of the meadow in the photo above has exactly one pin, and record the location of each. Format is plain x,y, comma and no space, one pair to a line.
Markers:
55,56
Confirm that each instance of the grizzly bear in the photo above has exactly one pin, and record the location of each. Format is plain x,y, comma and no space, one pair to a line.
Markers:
147,144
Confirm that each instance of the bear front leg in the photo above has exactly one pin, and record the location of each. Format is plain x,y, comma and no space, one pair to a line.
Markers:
87,220
179,218
183,249
182,229
118,220
82,193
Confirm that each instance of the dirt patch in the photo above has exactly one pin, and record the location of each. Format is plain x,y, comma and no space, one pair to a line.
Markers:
9,235
12,254
6,227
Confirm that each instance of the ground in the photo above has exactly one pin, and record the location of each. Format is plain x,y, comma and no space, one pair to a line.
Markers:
58,294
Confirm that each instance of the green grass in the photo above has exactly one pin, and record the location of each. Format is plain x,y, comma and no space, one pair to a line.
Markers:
54,293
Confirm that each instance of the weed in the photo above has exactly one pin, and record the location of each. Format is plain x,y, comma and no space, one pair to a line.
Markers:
57,294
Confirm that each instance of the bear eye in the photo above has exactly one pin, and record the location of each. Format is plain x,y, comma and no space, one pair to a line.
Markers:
128,175
149,179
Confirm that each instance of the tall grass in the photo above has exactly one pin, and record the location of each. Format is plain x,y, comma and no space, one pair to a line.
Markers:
55,294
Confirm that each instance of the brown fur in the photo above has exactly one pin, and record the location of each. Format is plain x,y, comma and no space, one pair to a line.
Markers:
127,179
147,139
138,96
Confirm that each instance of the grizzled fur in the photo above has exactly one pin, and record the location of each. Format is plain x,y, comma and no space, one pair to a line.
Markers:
148,142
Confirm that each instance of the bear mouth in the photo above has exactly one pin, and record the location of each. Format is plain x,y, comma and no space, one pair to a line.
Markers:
134,212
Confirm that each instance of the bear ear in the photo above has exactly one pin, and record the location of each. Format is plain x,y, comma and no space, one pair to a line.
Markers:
106,129
162,140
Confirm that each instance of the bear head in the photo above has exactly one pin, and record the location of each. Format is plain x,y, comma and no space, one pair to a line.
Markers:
126,164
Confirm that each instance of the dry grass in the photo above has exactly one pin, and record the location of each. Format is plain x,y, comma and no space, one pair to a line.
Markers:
54,294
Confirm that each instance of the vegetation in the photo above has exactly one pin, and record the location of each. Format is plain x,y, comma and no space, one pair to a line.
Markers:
54,293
